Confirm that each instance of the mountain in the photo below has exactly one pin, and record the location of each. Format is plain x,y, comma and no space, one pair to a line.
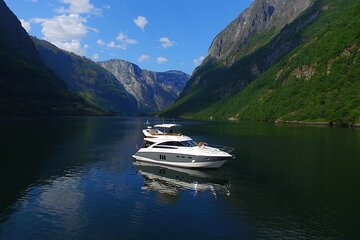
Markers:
86,78
152,90
262,19
306,71
27,85
240,53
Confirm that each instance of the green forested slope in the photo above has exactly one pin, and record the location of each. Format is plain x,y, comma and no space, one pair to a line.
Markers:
317,80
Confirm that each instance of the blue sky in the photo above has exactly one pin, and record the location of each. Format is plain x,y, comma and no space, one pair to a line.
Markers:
158,35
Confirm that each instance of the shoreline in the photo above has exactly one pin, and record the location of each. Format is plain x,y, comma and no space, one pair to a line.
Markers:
329,124
305,123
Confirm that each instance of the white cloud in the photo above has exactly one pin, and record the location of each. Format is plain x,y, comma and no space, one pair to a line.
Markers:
161,60
92,29
166,42
68,29
141,22
63,27
77,6
125,40
72,46
95,56
106,6
100,42
122,42
144,58
61,10
198,61
65,31
26,25
112,44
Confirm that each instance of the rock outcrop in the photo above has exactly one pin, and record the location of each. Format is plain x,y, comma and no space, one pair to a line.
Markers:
263,16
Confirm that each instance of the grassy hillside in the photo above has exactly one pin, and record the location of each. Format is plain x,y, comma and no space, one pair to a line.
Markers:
215,80
318,80
89,80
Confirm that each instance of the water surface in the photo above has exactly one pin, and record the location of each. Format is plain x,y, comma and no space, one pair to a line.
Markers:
75,178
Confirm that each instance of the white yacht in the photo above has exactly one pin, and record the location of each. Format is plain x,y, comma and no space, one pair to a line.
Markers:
164,146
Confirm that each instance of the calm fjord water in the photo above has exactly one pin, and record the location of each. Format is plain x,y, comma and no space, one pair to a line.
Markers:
74,178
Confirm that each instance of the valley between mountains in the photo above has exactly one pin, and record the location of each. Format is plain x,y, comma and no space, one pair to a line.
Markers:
279,60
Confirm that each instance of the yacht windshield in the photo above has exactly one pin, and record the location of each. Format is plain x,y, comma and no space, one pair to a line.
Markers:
169,131
189,143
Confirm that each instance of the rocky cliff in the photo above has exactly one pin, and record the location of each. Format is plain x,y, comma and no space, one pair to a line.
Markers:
152,90
265,17
244,40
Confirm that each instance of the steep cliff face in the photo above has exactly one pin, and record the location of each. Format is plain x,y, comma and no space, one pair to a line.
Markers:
87,79
27,85
245,39
262,17
152,90
242,52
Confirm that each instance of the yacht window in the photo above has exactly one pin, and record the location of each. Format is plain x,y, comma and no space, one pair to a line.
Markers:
165,147
153,131
178,144
169,131
147,144
189,143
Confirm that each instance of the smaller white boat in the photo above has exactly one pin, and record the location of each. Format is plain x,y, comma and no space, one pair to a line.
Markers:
162,145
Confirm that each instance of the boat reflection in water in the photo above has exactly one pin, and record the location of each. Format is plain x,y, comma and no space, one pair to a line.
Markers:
171,181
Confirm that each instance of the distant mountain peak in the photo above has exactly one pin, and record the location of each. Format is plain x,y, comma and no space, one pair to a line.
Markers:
153,90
